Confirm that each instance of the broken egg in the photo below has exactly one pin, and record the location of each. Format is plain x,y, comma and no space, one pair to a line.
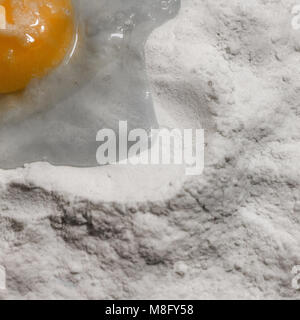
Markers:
69,95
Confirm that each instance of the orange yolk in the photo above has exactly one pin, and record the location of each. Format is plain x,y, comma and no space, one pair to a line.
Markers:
35,37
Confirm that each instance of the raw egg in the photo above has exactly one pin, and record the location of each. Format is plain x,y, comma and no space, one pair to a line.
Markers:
35,37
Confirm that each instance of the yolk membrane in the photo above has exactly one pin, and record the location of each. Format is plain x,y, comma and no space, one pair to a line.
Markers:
36,38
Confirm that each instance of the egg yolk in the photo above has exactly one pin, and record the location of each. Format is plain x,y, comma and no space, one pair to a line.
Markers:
35,37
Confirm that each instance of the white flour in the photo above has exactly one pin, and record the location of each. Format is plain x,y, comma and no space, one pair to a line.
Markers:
116,232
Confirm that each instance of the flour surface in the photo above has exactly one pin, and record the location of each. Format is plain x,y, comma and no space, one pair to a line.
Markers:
230,66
